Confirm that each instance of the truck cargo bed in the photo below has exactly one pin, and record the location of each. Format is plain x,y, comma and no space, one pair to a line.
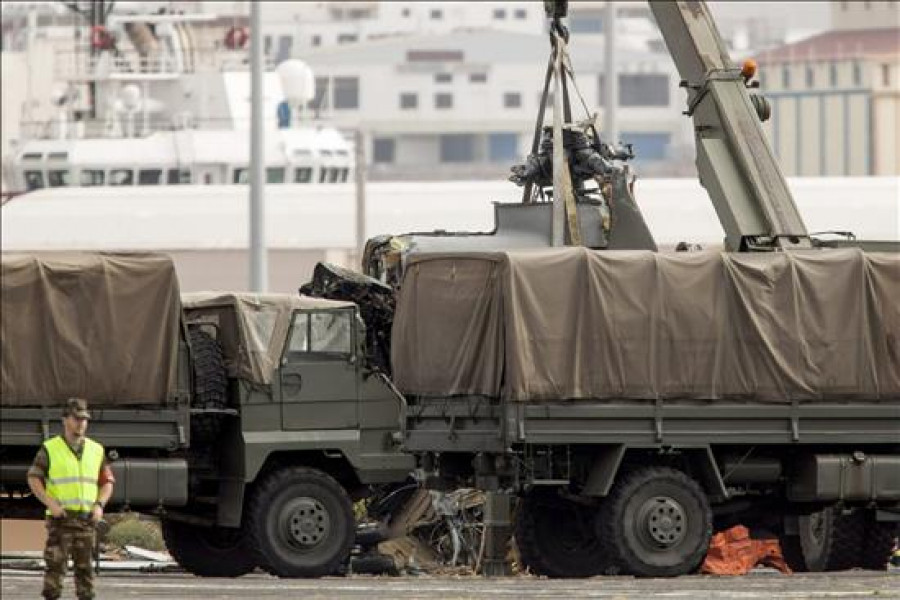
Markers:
479,425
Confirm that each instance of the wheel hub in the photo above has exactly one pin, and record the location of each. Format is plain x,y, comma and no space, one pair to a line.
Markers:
307,522
663,521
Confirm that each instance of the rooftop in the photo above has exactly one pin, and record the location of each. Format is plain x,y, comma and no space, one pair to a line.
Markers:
836,45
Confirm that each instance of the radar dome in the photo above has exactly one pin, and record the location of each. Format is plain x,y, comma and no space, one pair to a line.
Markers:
131,97
297,81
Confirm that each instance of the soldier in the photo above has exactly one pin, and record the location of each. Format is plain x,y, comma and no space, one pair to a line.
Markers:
71,477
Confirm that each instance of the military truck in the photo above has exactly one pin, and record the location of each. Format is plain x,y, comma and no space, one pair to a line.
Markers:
590,382
248,423
670,397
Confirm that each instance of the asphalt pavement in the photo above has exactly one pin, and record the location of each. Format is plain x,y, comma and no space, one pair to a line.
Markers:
17,585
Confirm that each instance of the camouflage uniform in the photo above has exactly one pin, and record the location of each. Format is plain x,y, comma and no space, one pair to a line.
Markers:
70,536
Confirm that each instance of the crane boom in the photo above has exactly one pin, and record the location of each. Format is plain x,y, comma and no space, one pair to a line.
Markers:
735,163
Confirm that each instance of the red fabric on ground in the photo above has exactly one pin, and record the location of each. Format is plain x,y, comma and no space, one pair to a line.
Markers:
733,552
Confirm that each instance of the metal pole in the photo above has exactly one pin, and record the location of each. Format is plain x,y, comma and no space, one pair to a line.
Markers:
611,87
259,269
360,178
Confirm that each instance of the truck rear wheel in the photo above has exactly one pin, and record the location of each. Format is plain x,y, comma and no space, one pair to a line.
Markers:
555,537
878,543
301,523
830,541
656,522
208,551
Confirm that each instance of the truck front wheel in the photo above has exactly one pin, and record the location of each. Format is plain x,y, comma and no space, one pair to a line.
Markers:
208,551
301,523
656,522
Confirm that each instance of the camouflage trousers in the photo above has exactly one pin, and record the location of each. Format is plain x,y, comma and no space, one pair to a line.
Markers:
69,536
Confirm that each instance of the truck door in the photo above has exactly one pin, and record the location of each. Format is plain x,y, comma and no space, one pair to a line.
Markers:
318,374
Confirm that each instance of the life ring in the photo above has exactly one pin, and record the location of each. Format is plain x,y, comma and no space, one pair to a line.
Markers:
236,38
101,38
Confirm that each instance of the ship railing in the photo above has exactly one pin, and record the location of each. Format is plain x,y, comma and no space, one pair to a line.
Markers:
83,64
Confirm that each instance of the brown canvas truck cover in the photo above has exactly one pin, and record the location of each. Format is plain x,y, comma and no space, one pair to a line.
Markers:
575,324
99,326
253,327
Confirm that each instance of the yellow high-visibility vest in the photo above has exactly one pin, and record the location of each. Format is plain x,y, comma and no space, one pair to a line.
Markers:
73,482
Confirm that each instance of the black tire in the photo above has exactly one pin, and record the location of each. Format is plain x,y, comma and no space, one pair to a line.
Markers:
301,523
792,552
656,522
209,551
830,541
370,535
374,563
555,537
210,383
878,543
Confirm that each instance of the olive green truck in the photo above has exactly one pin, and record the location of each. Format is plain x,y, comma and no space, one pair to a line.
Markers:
248,423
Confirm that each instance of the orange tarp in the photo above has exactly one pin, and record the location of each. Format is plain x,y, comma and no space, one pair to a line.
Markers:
734,552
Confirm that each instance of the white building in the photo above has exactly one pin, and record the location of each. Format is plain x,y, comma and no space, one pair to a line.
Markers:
463,104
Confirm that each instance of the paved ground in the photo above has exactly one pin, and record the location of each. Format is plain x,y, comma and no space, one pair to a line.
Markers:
17,585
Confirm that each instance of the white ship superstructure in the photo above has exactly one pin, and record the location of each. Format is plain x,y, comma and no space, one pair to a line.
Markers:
154,100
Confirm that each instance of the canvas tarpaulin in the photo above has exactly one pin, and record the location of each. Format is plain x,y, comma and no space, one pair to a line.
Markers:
252,327
571,323
104,327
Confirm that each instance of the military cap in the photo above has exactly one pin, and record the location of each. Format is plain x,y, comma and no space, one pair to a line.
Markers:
77,407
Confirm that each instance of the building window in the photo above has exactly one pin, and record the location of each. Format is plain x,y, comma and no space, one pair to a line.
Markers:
648,146
503,147
178,176
316,40
347,38
886,75
643,90
512,100
457,148
443,78
275,175
58,178
499,13
857,74
405,12
786,77
810,77
409,101
91,177
240,175
586,21
477,77
149,176
833,75
121,177
34,180
346,93
267,45
320,100
443,100
437,14
285,43
383,150
302,175
521,14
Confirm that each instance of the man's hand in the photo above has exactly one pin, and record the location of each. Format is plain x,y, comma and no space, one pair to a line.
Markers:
55,508
97,513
